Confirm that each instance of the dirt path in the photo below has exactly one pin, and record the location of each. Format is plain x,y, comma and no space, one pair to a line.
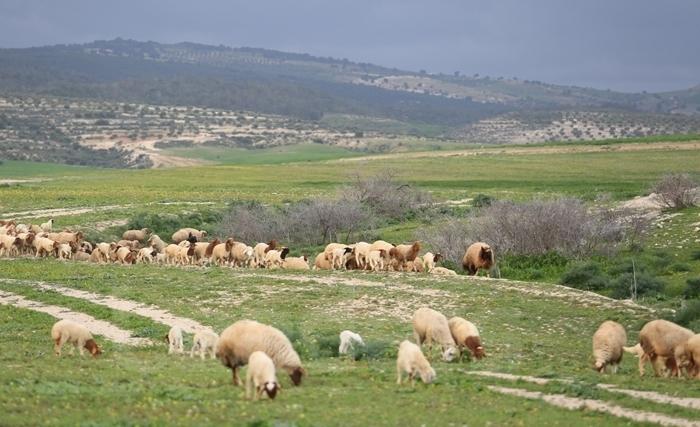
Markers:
152,312
59,212
97,327
685,402
574,403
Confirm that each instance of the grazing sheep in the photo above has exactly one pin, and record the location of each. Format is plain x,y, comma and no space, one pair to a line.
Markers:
442,271
204,341
203,250
47,226
221,253
261,249
430,259
45,246
131,244
187,233
64,251
361,251
403,253
412,361
466,334
687,356
321,263
125,255
139,235
81,256
340,256
659,338
103,250
174,340
239,340
275,258
146,255
431,326
328,250
349,340
156,243
74,333
608,341
242,255
375,259
295,263
11,244
260,376
477,257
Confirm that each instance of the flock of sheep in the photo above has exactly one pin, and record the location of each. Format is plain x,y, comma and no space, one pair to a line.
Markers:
189,248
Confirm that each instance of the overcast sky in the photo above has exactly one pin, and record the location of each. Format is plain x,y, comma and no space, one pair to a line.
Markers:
627,45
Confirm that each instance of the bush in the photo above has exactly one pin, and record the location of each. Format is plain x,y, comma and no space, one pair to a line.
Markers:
372,350
689,315
587,276
482,200
692,288
695,255
680,267
532,267
676,190
647,285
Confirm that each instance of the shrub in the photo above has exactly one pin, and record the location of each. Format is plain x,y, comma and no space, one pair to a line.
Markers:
532,267
695,255
692,288
587,276
680,267
647,285
373,350
689,315
676,190
482,200
451,238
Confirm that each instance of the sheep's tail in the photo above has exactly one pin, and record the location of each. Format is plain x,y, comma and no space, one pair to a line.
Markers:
635,349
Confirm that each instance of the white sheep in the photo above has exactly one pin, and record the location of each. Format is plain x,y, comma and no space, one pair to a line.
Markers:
275,258
146,255
74,333
375,259
174,340
361,251
442,271
156,243
47,226
242,255
431,326
260,250
204,341
64,252
412,361
295,263
466,334
261,376
11,244
240,340
348,340
608,343
340,256
430,259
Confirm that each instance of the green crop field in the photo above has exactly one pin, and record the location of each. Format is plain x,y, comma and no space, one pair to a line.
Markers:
528,328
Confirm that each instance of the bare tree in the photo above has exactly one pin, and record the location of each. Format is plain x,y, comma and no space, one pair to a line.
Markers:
677,190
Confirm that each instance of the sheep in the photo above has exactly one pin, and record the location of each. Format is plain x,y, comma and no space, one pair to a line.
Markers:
45,246
74,333
659,338
103,250
221,253
187,233
139,235
321,263
7,227
11,244
204,341
242,338
242,255
411,360
260,376
96,256
466,334
81,256
261,249
442,271
131,244
431,326
478,256
146,255
64,251
174,340
21,228
361,251
125,255
328,250
86,246
608,341
178,254
415,266
430,259
375,259
295,263
349,340
403,253
339,256
275,258
203,250
26,239
156,243
66,237
47,226
687,356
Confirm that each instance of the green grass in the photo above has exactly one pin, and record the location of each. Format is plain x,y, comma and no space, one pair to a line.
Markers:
145,386
275,155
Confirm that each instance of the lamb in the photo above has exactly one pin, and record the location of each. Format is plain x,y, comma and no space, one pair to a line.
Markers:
321,263
442,271
97,257
261,376
45,246
74,333
430,259
261,249
204,341
328,250
64,251
178,254
146,255
431,326
411,360
156,243
478,256
242,338
340,256
11,244
466,334
659,338
415,266
221,253
275,258
187,233
375,260
47,226
608,341
242,255
174,340
27,239
86,246
687,356
103,251
361,251
139,235
404,253
348,340
295,263
125,255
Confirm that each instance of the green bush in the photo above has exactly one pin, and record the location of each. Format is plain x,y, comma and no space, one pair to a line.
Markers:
482,200
373,350
587,276
689,315
695,255
692,288
647,285
548,266
679,267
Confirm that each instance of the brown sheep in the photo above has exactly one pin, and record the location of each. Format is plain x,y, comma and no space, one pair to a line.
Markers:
321,263
187,233
139,235
260,250
478,256
221,253
687,356
659,338
404,253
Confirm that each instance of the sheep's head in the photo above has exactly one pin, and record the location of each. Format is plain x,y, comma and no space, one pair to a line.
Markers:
450,353
271,388
486,253
285,251
191,238
427,375
437,257
272,244
185,244
93,348
347,250
393,252
79,236
599,366
297,375
203,233
382,253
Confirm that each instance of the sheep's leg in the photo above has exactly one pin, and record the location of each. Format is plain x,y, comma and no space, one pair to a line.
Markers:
57,346
194,346
248,387
236,380
399,377
202,352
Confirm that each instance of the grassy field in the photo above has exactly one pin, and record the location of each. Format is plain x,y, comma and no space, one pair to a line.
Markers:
275,155
523,333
